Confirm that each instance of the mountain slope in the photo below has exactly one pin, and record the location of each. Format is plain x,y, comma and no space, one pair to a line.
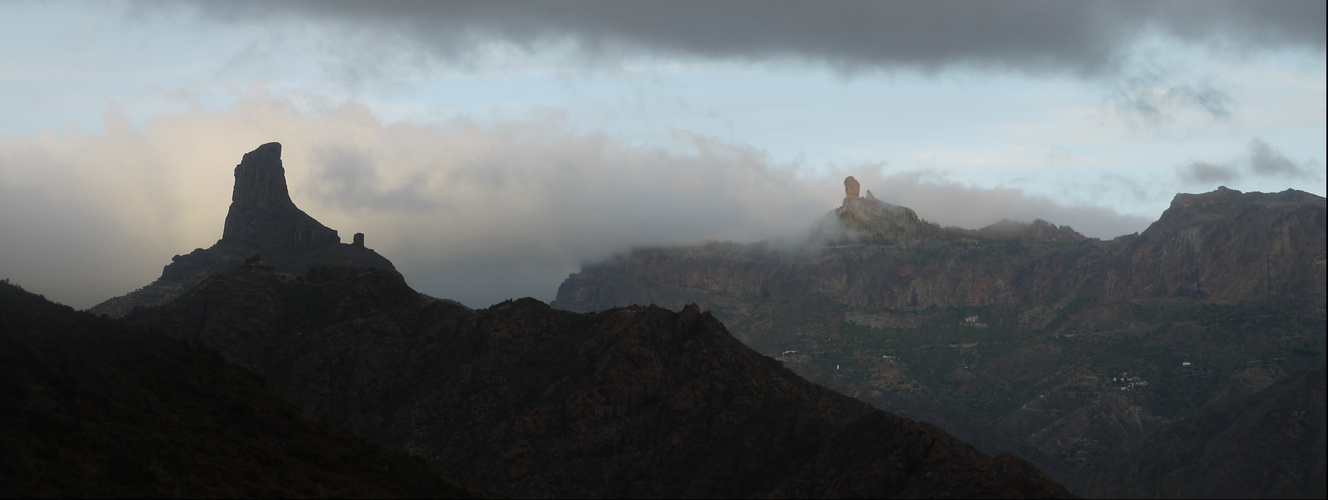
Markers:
1271,443
92,407
524,400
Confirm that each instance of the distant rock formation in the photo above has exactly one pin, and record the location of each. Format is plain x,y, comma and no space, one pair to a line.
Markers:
262,220
851,188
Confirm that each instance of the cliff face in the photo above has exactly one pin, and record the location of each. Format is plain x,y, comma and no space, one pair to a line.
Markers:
1228,245
524,400
1017,337
262,220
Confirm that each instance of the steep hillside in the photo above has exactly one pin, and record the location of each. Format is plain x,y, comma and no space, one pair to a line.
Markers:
524,400
1017,337
92,407
262,220
1271,443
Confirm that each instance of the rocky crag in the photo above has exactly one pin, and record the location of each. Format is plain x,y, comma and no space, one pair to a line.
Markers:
1019,337
524,400
262,220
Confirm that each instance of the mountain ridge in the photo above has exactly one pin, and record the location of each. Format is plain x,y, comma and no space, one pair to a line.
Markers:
524,400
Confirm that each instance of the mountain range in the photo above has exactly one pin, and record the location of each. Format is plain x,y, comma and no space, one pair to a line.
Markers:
1072,352
518,399
1186,360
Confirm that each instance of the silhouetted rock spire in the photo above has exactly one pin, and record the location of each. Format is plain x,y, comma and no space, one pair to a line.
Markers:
262,212
260,178
262,220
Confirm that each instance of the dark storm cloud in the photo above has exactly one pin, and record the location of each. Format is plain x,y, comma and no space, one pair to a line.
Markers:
1207,173
1032,36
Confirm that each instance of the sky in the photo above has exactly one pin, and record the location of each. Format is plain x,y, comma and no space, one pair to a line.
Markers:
489,149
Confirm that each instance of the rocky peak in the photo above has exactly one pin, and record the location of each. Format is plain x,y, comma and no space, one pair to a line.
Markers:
262,213
260,178
851,188
262,220
869,217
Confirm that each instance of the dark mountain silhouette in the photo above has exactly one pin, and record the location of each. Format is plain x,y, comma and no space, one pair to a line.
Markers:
524,400
1024,337
93,407
262,220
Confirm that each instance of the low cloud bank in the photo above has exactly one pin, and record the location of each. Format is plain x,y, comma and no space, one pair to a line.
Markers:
477,212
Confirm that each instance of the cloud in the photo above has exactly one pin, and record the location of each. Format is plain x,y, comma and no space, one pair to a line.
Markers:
1207,173
478,212
1152,99
1084,38
1260,160
1265,161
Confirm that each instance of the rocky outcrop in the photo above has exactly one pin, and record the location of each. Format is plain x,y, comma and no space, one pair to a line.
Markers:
262,219
851,188
526,401
262,213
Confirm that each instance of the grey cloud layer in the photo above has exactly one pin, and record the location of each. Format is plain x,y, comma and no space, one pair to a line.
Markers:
1032,36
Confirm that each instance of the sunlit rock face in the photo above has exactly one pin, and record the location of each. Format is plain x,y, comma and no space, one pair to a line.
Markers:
262,221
